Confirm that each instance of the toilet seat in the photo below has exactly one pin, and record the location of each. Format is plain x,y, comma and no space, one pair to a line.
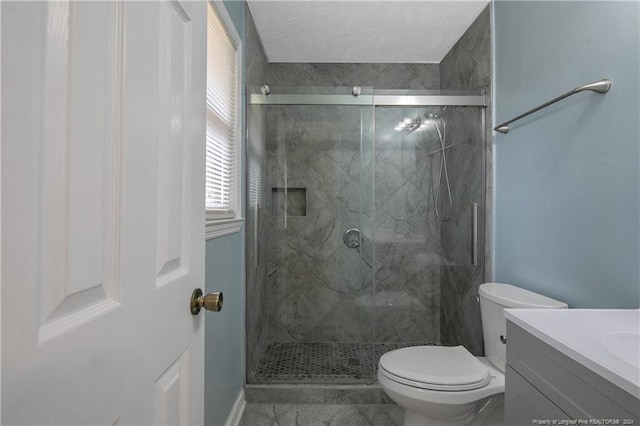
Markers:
440,368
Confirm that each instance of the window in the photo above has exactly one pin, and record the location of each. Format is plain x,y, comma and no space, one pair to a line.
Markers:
254,155
222,188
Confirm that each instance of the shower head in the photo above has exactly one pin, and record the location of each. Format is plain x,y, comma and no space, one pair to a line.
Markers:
409,125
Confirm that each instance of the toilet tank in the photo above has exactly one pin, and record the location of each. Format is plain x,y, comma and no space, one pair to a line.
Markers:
494,298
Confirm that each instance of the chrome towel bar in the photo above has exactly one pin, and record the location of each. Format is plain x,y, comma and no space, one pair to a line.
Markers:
600,86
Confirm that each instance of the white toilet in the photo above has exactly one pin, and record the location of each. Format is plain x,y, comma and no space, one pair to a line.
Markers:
447,385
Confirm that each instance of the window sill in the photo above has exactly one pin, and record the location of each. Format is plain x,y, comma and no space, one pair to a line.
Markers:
220,228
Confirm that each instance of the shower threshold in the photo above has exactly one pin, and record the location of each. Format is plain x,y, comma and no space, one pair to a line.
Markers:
322,362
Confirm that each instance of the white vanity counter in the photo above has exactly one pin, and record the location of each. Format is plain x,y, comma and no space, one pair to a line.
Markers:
606,341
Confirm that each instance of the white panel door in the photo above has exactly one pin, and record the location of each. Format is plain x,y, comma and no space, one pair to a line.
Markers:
103,108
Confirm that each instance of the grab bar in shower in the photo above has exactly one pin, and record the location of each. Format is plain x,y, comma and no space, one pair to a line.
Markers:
600,86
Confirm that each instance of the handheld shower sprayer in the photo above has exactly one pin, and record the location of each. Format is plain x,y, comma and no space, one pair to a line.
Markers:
436,115
409,126
442,135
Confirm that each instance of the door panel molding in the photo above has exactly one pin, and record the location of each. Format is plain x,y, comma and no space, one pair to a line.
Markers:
173,143
80,165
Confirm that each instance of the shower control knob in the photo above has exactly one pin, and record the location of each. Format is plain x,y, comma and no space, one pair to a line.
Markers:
351,238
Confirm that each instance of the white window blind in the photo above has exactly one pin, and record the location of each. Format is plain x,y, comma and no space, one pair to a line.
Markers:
254,152
222,115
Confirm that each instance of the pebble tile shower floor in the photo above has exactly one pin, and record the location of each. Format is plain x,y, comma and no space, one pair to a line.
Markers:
320,362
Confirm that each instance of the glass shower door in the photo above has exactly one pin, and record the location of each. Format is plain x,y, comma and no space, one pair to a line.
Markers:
426,277
310,257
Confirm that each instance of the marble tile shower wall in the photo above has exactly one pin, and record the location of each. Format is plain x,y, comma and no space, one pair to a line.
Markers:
408,253
467,66
315,283
380,76
460,279
256,321
319,289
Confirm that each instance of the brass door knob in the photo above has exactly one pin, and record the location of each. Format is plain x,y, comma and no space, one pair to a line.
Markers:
211,302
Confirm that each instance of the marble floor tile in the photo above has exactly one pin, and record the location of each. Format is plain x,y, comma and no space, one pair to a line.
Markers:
321,415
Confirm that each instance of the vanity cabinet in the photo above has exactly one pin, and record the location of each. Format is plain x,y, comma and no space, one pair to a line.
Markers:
544,384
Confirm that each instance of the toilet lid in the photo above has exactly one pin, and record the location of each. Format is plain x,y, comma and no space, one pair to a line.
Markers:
451,368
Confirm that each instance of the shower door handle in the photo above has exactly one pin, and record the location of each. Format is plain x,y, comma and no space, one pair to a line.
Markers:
474,234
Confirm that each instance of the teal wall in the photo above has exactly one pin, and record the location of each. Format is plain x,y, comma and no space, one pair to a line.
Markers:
224,330
567,179
236,12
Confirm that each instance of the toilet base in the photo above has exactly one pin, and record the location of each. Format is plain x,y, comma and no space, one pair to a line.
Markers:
489,412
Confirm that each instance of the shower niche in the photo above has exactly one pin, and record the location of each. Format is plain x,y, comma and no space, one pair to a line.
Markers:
321,161
288,201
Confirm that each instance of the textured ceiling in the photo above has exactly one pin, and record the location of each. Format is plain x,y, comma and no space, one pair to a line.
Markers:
359,31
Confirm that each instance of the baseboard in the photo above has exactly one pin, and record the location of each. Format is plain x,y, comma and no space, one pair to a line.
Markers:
236,411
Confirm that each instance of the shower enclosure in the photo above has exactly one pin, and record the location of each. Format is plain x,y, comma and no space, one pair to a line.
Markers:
346,257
